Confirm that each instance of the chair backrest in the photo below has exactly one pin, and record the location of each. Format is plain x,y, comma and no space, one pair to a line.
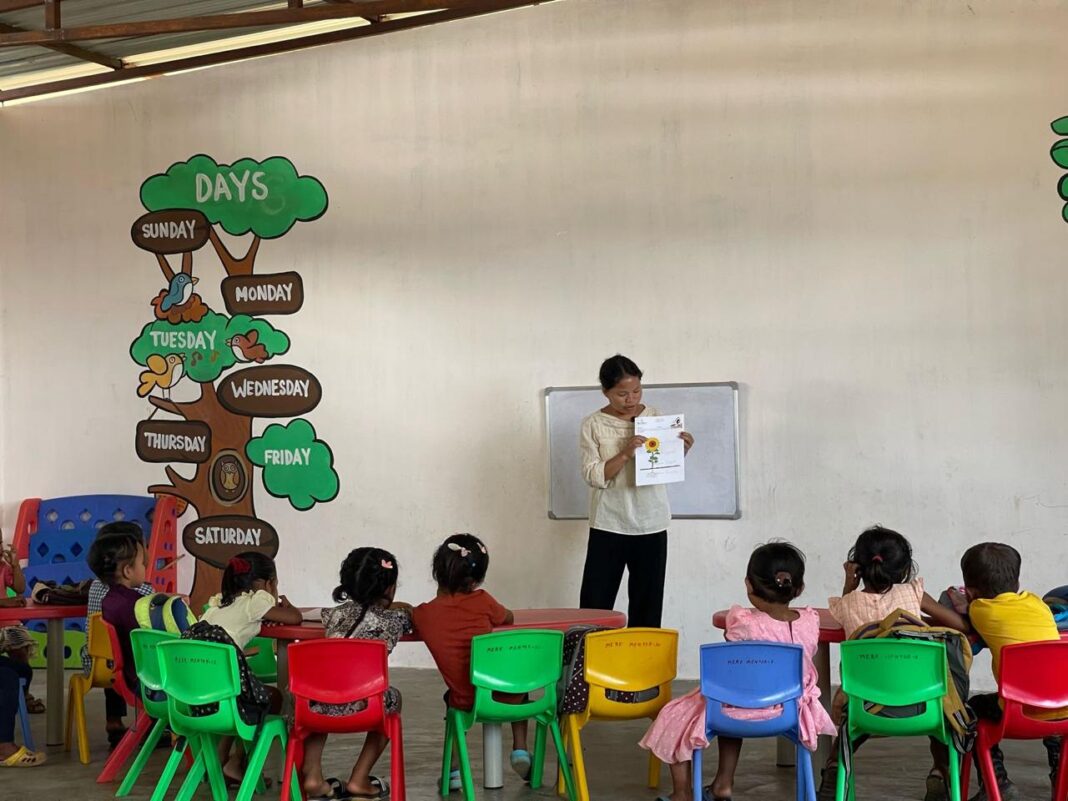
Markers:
146,662
197,673
897,673
338,671
1032,675
98,646
517,662
630,660
751,675
118,661
264,662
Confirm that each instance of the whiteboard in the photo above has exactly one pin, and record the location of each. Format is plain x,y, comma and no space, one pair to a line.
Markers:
711,486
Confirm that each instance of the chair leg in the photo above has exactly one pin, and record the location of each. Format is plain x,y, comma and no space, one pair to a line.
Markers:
965,774
70,714
257,760
142,759
214,770
986,765
840,778
465,763
1061,791
561,755
193,779
396,760
537,765
446,758
810,777
805,786
954,770
574,735
24,717
697,765
654,771
564,728
127,746
81,731
291,763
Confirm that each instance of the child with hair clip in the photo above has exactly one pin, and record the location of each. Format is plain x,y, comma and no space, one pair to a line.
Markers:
774,577
234,616
880,578
460,612
365,611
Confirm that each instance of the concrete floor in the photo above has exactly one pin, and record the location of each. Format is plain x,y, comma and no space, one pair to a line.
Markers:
887,770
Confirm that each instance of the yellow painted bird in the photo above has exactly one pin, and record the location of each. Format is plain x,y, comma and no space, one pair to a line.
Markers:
162,372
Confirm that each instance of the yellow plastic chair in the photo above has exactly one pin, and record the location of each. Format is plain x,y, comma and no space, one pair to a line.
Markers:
623,660
100,675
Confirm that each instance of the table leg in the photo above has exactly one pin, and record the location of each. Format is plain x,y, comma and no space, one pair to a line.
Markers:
54,693
493,771
822,663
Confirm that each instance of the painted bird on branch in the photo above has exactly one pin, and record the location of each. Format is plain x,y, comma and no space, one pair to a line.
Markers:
162,372
179,292
248,348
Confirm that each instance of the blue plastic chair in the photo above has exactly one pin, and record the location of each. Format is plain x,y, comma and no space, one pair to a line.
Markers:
754,675
24,717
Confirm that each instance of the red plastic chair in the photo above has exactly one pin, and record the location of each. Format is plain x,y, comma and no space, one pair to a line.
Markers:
1032,678
339,671
142,725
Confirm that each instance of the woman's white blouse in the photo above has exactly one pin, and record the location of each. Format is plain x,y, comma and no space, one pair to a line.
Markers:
617,504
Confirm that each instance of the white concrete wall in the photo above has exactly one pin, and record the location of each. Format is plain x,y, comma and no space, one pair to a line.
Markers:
849,204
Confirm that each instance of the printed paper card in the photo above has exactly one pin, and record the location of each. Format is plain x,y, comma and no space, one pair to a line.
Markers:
661,460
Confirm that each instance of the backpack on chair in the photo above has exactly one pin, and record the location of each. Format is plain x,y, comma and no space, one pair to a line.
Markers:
164,612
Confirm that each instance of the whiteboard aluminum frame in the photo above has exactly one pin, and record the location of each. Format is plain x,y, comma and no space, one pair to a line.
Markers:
677,385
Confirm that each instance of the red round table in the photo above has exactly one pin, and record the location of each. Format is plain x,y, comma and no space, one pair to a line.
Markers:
556,619
831,631
54,617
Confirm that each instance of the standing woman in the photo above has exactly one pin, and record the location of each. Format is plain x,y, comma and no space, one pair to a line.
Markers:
628,523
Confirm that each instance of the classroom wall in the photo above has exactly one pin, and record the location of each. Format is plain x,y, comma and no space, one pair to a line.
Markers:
846,206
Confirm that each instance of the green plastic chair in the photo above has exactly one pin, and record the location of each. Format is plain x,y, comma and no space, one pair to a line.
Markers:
517,662
146,663
894,673
264,663
195,674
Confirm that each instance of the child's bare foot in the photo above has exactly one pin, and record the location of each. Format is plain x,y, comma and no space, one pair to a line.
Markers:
374,787
318,787
719,791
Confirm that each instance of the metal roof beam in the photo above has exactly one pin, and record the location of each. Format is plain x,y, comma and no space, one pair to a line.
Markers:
470,9
247,19
80,53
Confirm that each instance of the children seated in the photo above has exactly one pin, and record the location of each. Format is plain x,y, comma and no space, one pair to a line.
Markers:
16,648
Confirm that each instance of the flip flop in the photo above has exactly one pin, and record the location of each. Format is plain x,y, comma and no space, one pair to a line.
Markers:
24,758
708,795
383,790
520,760
337,790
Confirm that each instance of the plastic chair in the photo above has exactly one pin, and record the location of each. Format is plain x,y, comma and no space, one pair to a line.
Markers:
340,671
895,673
263,663
140,729
517,662
24,717
622,660
198,674
153,701
754,675
1031,679
100,675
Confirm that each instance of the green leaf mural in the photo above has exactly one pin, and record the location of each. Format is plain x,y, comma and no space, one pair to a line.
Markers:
204,346
295,464
265,198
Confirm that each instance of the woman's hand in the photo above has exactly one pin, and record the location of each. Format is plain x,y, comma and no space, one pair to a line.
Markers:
852,577
687,438
632,445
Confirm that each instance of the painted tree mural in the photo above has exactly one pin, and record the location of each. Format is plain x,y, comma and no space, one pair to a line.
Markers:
188,342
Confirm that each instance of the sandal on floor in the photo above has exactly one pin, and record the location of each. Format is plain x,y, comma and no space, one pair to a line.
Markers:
520,761
115,737
383,790
455,782
232,782
35,706
337,791
24,758
708,795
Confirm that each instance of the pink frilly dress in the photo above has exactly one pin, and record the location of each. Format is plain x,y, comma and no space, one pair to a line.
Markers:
680,726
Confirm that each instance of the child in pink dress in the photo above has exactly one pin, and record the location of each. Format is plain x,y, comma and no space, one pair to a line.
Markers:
775,576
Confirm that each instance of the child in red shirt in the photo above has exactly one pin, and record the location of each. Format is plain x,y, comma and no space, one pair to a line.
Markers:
460,612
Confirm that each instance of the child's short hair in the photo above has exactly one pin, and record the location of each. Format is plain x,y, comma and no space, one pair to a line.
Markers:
244,570
884,558
115,547
776,572
460,563
991,568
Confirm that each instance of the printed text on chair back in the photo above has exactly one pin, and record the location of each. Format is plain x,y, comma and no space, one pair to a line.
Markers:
517,661
1035,674
894,672
337,671
629,660
751,674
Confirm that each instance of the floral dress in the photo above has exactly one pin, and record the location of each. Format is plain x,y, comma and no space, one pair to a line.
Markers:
680,726
377,623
